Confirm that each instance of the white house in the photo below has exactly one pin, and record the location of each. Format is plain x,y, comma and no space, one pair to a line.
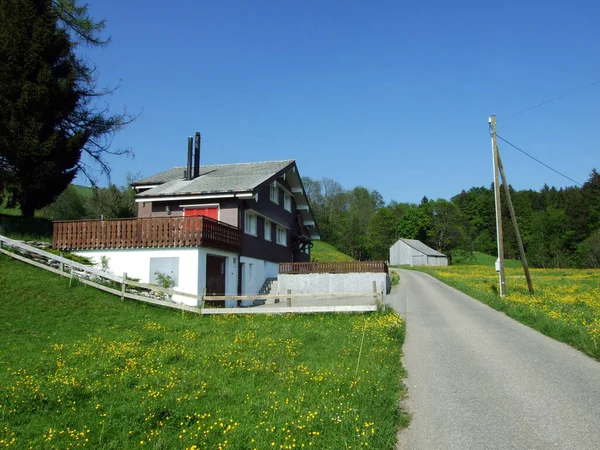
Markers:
410,252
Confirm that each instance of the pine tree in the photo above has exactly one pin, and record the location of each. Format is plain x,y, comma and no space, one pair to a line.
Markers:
47,119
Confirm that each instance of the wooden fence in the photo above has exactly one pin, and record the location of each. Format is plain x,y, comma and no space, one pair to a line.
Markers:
155,232
117,285
295,268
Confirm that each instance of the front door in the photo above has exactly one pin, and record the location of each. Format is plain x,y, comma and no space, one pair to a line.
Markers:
215,275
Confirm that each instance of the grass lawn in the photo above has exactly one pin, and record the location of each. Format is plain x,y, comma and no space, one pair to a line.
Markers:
566,304
78,367
13,225
324,252
483,259
25,228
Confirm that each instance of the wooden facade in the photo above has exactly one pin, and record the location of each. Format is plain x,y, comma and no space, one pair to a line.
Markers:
146,233
295,268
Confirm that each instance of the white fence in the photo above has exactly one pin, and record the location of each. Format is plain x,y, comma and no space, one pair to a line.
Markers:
127,288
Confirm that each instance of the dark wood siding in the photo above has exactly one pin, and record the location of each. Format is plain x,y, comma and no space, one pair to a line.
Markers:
256,246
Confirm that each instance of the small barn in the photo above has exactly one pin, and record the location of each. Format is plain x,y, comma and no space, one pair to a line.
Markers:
410,252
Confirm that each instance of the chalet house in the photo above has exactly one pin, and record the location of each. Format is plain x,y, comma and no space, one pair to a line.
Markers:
223,228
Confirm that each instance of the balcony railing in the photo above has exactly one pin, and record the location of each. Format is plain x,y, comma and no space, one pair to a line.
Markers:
146,233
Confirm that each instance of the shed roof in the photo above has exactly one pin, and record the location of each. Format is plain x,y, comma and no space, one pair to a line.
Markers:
418,245
220,178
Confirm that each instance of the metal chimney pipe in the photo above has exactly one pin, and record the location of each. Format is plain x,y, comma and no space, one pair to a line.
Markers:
197,156
188,173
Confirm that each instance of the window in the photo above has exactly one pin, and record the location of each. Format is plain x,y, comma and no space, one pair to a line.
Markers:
281,236
287,202
250,223
268,230
274,194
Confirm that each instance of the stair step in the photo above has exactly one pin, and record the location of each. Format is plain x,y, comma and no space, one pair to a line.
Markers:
269,287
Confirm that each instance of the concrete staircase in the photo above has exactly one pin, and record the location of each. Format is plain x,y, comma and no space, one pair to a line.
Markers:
268,288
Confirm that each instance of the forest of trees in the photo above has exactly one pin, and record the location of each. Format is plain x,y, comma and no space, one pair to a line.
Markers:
559,227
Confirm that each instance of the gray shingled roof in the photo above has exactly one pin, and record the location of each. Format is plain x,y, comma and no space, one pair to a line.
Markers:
418,245
219,178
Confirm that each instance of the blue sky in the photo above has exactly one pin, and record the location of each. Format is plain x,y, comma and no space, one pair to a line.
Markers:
393,96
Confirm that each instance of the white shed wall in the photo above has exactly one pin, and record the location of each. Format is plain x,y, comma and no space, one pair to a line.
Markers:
437,261
402,254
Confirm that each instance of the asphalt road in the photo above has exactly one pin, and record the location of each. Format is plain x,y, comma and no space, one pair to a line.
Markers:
480,380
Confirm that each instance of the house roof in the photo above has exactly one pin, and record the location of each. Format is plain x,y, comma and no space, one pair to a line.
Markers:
226,180
221,178
418,245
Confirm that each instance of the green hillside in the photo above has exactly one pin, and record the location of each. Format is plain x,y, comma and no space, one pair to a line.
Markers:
483,259
39,227
84,191
324,252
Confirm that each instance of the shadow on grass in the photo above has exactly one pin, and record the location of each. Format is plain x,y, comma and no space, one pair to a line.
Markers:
26,228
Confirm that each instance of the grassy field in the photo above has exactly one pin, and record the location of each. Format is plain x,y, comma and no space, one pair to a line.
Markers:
322,251
566,304
78,367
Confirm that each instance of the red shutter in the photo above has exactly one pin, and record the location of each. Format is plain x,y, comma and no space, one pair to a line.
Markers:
213,213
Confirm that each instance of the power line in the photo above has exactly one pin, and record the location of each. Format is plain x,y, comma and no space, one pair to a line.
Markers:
537,160
553,99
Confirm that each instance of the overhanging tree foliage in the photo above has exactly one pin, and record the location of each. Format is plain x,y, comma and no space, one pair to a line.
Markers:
48,98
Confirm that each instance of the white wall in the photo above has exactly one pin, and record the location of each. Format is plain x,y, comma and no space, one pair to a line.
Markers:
254,276
437,261
320,283
136,263
402,254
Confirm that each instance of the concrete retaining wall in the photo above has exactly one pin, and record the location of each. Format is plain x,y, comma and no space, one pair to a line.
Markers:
319,283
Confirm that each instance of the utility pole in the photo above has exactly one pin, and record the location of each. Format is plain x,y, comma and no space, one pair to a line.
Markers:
500,261
513,217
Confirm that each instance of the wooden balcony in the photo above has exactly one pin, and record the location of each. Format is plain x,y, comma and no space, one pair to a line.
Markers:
146,233
295,268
